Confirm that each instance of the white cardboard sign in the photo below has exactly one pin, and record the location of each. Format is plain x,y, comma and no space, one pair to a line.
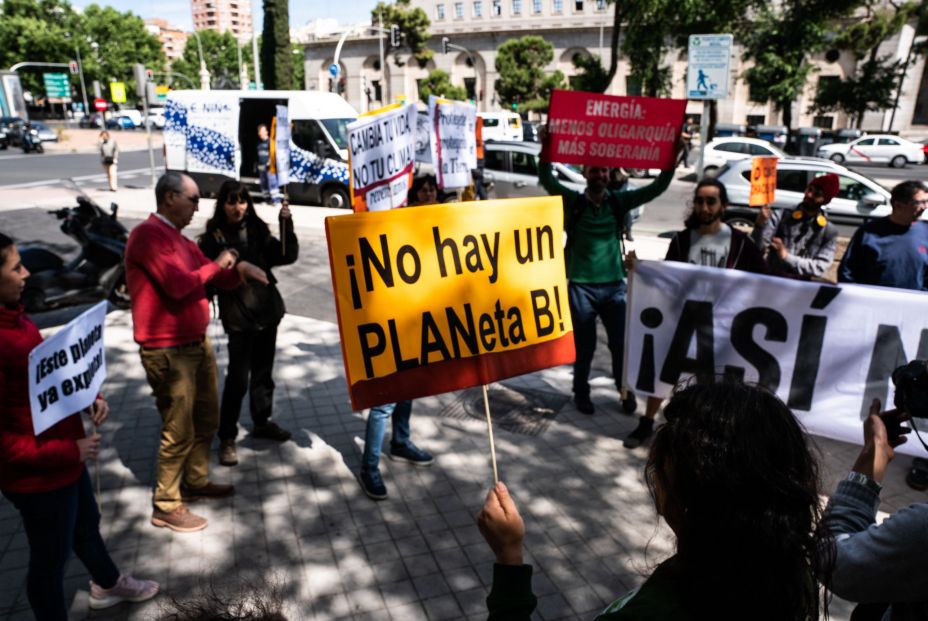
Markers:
382,154
453,141
825,350
67,370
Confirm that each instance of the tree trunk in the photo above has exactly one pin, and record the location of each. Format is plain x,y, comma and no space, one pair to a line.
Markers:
276,56
614,61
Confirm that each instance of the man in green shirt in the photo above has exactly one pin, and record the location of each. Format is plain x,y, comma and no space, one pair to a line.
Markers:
595,268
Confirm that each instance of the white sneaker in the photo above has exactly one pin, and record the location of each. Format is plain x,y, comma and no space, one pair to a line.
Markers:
126,589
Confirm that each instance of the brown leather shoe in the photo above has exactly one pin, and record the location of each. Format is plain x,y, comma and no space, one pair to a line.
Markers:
228,456
180,520
210,490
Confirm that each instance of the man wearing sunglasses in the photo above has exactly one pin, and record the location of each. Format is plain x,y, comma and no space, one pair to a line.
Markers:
167,275
800,243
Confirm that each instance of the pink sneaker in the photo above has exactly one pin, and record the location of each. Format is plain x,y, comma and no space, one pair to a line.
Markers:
126,589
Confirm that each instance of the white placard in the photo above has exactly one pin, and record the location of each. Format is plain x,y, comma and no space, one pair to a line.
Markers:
709,67
282,147
453,141
67,370
423,142
382,153
826,350
212,137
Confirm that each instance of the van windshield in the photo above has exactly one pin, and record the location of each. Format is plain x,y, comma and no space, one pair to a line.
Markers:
338,129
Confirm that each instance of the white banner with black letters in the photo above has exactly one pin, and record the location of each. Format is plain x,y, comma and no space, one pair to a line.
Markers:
67,370
826,350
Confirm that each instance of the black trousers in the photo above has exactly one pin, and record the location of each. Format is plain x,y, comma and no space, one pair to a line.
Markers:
251,367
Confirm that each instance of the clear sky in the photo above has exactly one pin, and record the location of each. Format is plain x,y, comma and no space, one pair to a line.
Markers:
177,12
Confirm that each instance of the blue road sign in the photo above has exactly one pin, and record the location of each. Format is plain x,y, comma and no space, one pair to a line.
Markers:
333,69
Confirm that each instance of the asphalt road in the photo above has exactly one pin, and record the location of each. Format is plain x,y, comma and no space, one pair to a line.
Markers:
18,170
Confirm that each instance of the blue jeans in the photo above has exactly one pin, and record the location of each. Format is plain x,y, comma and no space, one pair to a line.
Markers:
376,426
587,301
56,522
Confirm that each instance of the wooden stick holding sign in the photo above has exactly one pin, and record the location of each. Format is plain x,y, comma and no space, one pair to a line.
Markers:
486,407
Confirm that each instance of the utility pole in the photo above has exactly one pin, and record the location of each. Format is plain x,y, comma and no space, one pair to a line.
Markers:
383,67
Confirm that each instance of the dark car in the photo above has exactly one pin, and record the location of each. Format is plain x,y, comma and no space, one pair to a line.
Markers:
4,139
12,127
530,132
90,121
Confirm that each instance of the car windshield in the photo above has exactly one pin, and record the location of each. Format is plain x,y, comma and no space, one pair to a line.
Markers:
338,129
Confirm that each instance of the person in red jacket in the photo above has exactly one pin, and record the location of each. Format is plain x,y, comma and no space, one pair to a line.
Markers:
44,476
167,275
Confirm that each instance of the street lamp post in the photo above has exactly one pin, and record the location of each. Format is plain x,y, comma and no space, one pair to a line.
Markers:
80,71
204,72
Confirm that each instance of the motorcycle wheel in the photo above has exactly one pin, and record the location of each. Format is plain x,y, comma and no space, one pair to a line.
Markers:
39,148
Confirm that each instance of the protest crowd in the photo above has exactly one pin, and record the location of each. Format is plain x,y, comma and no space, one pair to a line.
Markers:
730,468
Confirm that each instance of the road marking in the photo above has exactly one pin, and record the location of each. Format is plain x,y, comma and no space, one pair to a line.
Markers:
94,177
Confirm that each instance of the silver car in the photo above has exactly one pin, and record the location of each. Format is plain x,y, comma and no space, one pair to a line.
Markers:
512,168
859,196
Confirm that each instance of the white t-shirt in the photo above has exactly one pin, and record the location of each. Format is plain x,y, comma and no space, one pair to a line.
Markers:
710,250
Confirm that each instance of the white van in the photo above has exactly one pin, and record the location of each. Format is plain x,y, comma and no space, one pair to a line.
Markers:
501,126
213,136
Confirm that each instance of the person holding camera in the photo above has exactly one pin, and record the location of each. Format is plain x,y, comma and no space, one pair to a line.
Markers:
885,562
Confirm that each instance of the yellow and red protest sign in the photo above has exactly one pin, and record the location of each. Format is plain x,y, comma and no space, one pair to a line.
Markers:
381,157
763,181
438,298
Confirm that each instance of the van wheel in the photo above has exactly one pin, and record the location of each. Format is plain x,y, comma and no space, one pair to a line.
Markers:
837,158
899,161
335,197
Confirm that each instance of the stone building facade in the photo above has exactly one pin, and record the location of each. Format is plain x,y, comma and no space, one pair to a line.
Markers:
573,27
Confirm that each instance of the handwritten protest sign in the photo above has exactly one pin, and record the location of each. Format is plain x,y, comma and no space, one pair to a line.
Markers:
67,369
826,350
763,181
453,141
439,298
381,157
603,130
281,160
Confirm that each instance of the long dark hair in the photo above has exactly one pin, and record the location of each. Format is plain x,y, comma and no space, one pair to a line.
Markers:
235,191
5,244
417,184
734,476
692,222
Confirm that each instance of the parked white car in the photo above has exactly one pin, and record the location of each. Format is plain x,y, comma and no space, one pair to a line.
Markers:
859,197
723,150
875,149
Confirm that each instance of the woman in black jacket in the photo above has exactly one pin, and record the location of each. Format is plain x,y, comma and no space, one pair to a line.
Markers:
250,314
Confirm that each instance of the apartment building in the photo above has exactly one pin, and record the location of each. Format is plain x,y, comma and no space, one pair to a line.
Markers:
222,16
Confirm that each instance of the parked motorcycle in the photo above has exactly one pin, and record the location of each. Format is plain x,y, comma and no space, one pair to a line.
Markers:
97,273
31,141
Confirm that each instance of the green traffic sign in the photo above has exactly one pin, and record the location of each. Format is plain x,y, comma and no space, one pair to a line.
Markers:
57,85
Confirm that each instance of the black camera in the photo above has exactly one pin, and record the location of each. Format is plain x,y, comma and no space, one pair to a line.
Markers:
911,381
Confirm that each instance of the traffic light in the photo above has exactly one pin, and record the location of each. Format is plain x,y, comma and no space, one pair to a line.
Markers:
149,75
73,66
444,44
395,35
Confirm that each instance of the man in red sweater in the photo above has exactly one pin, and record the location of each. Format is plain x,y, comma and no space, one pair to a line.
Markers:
167,275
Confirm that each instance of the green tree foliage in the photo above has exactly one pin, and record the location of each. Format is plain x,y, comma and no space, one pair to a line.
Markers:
414,27
648,29
780,40
110,42
276,53
521,65
438,83
220,51
299,68
591,77
875,80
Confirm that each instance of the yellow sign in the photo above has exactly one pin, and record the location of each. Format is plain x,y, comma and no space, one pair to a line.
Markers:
763,181
439,298
118,92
